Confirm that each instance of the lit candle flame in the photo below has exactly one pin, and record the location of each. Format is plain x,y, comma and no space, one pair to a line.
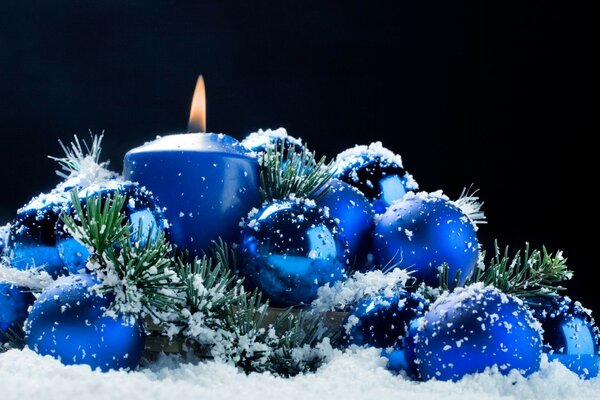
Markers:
197,121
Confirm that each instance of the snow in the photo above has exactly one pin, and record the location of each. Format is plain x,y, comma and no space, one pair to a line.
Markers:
355,374
372,151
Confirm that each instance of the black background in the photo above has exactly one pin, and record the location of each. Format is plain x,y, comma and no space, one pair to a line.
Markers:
492,94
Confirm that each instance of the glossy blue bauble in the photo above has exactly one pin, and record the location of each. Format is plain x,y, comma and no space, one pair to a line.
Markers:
472,329
32,239
376,172
14,303
289,250
204,183
570,334
354,215
384,321
140,208
422,232
67,322
262,140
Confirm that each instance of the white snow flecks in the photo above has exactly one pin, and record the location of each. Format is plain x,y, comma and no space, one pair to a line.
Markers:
347,293
359,153
268,137
31,278
357,374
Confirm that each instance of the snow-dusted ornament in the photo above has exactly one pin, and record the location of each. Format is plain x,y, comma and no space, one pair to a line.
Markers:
377,172
423,232
472,329
289,249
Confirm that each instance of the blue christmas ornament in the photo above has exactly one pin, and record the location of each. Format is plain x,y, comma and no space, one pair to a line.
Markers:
140,209
472,329
384,321
32,239
570,334
377,172
14,303
205,183
354,215
289,250
421,233
68,322
262,140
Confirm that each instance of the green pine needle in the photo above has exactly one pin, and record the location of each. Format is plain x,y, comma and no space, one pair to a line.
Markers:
101,225
300,331
526,274
209,286
11,339
134,264
288,173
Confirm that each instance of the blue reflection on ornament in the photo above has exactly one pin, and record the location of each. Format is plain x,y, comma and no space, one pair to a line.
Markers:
384,321
472,329
262,140
289,250
570,334
422,232
14,303
354,215
68,322
204,183
32,240
377,172
141,211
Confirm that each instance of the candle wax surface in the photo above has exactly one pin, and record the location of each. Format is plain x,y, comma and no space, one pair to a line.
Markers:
204,182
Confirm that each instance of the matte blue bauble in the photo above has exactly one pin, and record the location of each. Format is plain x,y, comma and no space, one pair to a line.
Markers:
354,215
422,232
14,303
570,334
67,322
472,329
32,240
289,250
205,184
140,208
384,321
376,172
262,140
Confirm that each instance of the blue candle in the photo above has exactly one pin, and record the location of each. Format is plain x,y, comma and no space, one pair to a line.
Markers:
205,182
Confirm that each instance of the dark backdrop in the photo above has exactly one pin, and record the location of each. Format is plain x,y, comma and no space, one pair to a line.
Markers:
490,94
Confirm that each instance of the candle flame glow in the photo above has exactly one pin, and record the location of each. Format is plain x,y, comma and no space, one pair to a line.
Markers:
197,122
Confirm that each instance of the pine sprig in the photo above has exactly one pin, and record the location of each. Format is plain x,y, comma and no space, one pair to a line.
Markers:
242,338
300,331
235,325
101,226
209,286
145,274
132,263
77,153
285,173
526,274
